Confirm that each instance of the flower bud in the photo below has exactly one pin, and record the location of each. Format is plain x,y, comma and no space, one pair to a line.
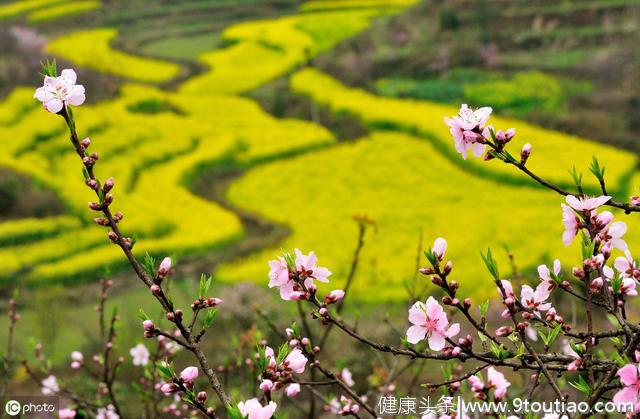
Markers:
113,236
456,351
525,153
334,296
95,206
292,390
202,396
171,316
426,271
448,267
101,221
85,143
446,300
189,374
169,388
467,302
305,341
504,331
155,289
212,302
164,268
108,185
148,325
94,156
323,311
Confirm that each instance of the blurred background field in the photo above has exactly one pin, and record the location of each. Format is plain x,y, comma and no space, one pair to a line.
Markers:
234,129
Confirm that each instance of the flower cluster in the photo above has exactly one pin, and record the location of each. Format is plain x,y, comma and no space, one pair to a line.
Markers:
295,276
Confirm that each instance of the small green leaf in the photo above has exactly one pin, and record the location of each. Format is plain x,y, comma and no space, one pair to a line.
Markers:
210,317
205,284
142,315
484,308
149,265
581,385
491,264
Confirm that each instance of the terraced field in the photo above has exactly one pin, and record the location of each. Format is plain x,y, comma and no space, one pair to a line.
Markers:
159,133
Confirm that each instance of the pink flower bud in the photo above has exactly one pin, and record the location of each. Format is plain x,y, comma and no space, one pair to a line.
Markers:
189,374
305,341
108,185
148,325
155,289
85,143
113,236
266,385
323,312
292,390
75,365
95,206
165,267
334,296
202,396
169,388
297,296
503,331
456,351
212,302
525,153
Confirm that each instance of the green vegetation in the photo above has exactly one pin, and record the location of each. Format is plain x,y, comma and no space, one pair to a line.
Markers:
92,49
406,175
63,10
182,47
553,149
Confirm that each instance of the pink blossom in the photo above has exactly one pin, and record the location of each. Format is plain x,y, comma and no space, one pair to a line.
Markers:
430,320
568,350
630,381
61,91
50,385
108,412
189,374
586,204
306,268
296,361
625,264
252,409
475,383
628,287
571,224
347,377
439,247
307,264
612,235
140,354
466,129
496,380
77,356
66,414
535,300
292,390
545,274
